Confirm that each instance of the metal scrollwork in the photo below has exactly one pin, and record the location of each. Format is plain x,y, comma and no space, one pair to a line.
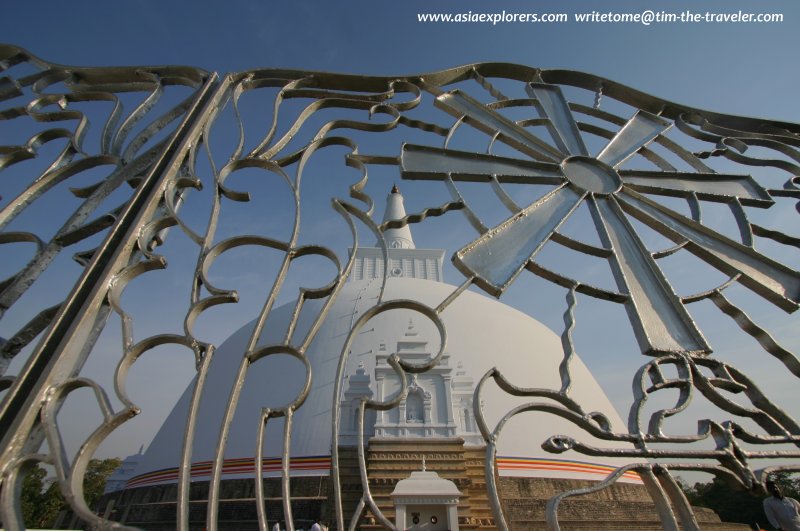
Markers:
135,195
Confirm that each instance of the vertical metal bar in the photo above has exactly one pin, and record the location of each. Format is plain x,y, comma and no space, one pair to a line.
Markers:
259,470
286,460
678,500
491,481
660,500
185,470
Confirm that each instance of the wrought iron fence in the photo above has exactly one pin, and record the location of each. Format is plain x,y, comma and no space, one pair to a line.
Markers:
673,193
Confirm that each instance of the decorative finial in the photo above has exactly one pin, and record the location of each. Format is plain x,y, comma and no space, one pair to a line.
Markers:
397,238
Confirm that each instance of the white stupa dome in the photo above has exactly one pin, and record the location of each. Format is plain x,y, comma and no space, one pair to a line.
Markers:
482,333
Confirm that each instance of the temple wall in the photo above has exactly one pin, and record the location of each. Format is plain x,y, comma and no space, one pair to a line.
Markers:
622,506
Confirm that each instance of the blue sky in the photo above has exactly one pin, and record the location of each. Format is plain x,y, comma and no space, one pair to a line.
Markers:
733,68
727,67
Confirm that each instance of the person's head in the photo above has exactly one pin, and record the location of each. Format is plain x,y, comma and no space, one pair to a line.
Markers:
773,489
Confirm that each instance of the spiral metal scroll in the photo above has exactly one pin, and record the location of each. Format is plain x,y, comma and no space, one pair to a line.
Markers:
643,157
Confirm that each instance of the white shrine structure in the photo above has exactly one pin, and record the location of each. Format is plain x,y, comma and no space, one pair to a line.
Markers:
434,421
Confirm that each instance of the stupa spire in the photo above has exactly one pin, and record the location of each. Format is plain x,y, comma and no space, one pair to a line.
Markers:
397,238
402,258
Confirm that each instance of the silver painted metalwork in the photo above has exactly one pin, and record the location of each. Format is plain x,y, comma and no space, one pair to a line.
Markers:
158,156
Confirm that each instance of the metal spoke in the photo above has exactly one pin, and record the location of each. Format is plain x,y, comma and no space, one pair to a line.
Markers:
497,257
428,163
637,133
770,279
552,105
660,321
492,123
708,186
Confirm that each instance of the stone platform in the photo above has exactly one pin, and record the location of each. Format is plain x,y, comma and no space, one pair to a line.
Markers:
622,506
